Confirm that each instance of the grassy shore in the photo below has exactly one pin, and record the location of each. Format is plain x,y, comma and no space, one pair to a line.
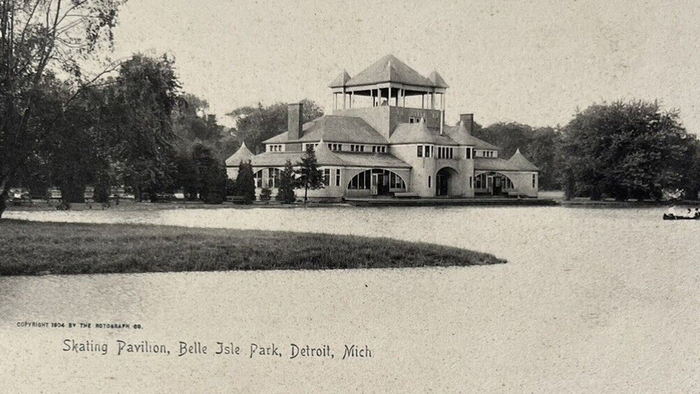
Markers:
31,248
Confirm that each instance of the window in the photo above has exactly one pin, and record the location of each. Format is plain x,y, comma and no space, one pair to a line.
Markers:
480,181
420,150
445,152
534,180
337,176
429,180
413,119
470,182
326,176
469,153
258,178
363,180
273,177
429,150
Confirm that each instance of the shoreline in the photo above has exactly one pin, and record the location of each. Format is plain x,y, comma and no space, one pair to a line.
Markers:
43,248
129,205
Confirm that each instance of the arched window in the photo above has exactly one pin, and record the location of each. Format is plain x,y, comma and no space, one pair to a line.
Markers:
363,180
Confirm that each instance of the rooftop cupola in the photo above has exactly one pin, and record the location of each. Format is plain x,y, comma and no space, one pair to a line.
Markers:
388,82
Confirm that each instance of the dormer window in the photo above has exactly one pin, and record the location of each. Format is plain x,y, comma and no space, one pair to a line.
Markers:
413,119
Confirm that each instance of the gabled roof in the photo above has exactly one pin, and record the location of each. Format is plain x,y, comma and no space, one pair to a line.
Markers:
419,133
334,128
518,160
437,80
462,136
242,154
389,69
340,80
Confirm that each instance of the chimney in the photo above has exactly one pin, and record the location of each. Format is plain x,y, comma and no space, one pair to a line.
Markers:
294,121
468,121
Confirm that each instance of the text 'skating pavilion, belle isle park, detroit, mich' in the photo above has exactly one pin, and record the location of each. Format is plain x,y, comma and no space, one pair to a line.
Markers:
387,137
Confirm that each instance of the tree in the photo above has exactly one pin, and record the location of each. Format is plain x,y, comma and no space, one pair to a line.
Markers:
245,182
285,192
37,36
626,149
308,174
257,124
143,97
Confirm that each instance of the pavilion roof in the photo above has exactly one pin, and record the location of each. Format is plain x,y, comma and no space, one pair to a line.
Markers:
437,80
340,80
334,128
417,133
389,69
462,136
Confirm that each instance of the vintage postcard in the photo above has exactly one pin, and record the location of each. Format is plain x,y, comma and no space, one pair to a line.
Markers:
349,196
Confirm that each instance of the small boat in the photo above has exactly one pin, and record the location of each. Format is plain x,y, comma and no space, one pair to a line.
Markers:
670,216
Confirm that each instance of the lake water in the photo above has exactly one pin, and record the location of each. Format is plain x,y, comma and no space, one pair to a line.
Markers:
590,300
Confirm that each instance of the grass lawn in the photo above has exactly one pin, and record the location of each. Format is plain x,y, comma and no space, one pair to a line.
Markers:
30,248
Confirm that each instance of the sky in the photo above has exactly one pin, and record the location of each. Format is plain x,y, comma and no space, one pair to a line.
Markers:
534,62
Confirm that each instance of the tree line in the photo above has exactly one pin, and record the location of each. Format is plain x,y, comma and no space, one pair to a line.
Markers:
621,150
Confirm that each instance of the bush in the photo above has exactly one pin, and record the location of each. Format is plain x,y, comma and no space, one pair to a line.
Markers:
265,194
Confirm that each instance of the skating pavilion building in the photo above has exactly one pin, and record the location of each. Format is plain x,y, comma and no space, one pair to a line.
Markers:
387,137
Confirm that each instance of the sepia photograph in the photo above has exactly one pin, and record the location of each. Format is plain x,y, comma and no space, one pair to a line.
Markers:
224,196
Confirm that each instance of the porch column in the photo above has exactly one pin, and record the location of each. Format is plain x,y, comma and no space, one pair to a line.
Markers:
343,98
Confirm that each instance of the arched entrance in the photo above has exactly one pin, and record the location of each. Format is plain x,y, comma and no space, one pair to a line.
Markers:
443,180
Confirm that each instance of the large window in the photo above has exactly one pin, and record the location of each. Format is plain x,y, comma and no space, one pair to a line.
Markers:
326,176
534,180
363,180
469,153
420,151
337,176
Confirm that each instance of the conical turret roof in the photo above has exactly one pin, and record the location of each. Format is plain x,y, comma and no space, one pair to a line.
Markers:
242,154
324,156
519,161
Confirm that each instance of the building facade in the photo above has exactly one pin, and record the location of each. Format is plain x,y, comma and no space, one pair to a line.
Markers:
387,137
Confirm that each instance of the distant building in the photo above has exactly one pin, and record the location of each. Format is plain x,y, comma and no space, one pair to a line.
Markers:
387,137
